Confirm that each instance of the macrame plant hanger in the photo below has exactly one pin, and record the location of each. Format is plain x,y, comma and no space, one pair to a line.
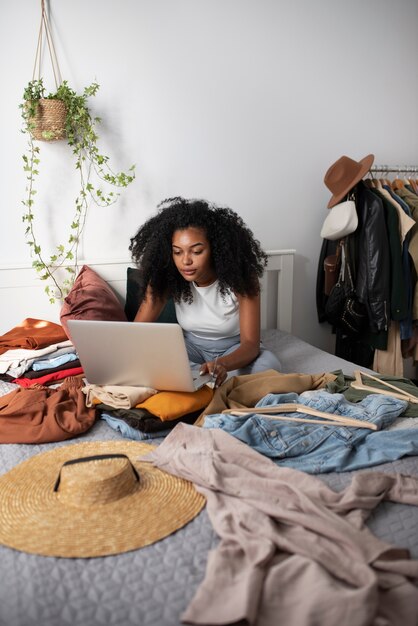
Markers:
48,123
45,29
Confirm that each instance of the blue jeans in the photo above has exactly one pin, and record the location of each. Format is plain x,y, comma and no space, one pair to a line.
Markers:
202,350
127,431
314,448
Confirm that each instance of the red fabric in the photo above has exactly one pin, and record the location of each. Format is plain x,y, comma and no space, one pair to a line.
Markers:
48,378
32,334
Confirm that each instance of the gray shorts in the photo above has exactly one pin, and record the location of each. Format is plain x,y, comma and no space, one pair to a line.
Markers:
202,350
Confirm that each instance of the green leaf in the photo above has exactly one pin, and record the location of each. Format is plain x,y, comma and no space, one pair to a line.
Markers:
89,162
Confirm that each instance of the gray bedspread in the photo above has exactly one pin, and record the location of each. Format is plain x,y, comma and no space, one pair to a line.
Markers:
153,585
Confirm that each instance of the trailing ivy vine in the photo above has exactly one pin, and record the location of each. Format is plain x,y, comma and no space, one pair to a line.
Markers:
93,169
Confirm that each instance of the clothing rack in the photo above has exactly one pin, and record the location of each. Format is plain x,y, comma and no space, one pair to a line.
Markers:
400,169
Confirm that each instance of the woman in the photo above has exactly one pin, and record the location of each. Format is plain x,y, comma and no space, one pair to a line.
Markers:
208,261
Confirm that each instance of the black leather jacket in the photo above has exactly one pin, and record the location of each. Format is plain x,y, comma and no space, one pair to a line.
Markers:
369,257
372,254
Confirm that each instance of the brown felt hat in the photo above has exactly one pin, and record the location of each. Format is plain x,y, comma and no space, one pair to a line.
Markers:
92,499
344,174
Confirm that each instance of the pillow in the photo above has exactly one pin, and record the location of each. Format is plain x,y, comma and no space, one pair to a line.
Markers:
91,298
133,282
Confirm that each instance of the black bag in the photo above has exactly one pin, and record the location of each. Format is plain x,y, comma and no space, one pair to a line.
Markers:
334,307
332,265
354,318
343,309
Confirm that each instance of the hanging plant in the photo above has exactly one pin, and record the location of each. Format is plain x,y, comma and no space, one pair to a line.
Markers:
51,117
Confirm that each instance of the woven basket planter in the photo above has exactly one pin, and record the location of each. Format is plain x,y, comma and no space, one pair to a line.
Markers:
49,122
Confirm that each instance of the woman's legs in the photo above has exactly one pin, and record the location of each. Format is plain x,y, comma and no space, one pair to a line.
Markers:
202,350
266,360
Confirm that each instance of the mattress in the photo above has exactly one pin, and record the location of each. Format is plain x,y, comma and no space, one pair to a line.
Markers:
154,585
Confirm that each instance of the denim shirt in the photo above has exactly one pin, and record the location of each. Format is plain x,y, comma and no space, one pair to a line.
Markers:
314,448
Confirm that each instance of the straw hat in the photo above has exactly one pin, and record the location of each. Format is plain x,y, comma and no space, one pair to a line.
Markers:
344,174
55,504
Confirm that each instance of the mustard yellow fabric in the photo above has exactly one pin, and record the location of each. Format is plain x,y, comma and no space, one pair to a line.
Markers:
169,405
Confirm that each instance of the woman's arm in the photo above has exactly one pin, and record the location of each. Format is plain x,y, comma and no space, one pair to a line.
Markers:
150,308
249,322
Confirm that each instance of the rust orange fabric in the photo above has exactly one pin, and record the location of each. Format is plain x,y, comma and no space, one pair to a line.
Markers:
42,414
32,334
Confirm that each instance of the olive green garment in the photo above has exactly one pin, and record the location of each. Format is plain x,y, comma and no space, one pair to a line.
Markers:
342,385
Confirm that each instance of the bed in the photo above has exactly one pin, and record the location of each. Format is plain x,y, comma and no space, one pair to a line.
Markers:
154,585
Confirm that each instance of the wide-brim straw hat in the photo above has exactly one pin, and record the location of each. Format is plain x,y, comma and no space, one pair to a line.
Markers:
344,174
92,499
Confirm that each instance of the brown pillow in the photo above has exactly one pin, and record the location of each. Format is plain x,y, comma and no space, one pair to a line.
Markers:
91,298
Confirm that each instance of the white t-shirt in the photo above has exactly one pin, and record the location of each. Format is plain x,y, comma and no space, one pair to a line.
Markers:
210,315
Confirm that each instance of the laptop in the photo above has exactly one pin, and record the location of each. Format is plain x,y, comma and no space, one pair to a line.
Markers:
135,354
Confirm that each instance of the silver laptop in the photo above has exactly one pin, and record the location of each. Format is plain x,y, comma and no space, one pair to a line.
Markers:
134,353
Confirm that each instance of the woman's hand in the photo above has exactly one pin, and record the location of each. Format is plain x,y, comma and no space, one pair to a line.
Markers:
216,370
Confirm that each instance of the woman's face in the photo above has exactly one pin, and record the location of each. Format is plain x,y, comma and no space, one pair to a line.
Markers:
192,256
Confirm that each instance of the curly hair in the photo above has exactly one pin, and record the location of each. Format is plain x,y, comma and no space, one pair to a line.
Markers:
236,256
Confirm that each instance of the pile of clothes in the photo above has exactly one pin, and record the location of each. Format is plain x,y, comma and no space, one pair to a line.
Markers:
35,357
142,413
47,399
37,351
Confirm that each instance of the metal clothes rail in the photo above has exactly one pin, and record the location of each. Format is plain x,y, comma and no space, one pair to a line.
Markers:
399,169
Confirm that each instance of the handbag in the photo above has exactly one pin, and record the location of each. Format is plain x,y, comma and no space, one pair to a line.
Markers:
343,309
334,306
354,318
332,265
341,221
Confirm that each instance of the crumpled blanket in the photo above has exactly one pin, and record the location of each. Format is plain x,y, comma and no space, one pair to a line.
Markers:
292,550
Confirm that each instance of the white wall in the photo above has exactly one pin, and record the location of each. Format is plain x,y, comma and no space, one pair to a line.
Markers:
243,102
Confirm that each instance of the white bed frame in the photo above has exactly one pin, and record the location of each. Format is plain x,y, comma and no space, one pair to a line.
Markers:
22,292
